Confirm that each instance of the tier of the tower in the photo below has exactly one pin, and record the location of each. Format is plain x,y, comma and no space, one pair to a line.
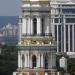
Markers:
35,23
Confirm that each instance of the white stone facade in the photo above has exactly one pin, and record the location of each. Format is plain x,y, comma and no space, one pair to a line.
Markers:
40,60
37,52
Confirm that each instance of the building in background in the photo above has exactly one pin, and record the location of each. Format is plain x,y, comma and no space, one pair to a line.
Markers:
9,34
63,23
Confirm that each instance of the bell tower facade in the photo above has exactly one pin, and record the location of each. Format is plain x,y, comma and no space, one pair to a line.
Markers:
36,46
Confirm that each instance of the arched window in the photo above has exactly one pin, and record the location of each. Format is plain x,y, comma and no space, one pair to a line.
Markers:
33,61
34,26
42,23
23,61
46,62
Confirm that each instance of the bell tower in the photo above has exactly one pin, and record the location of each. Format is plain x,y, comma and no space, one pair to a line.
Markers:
36,46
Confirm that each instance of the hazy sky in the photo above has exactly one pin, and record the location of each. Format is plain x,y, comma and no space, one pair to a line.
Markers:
10,7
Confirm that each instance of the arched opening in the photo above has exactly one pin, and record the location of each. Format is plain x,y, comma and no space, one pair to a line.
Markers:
23,61
33,61
42,23
46,62
34,26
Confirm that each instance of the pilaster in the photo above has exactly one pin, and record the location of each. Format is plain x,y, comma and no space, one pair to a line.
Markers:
68,38
73,37
38,61
30,61
42,61
38,25
31,26
19,61
26,61
24,26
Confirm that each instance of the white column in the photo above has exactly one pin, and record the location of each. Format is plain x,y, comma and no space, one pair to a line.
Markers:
46,73
24,25
42,61
52,26
64,38
61,40
20,31
68,38
73,38
14,73
64,33
38,61
51,60
57,40
26,60
47,26
38,25
31,26
19,60
30,61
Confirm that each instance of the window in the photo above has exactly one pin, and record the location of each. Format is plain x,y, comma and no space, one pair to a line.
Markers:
71,38
42,21
66,37
46,62
59,37
33,61
70,20
34,26
56,20
70,10
23,61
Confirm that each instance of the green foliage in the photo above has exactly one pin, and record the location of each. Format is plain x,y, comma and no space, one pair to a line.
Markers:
70,64
8,60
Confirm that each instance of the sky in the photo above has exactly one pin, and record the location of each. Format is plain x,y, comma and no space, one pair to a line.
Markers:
10,7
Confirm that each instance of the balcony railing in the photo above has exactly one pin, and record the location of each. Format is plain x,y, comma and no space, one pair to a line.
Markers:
38,35
51,48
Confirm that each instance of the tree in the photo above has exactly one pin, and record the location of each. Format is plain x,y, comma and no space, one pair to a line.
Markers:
8,59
